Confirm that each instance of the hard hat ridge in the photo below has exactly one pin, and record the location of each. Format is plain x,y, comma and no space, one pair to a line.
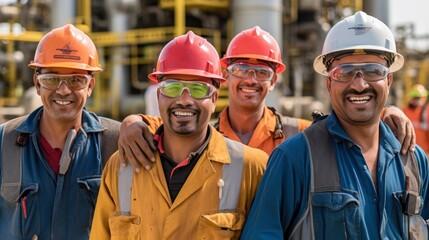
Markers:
188,54
254,43
359,34
66,47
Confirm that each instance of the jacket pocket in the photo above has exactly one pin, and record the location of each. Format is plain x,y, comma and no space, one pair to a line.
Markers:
87,193
221,225
336,215
26,217
125,227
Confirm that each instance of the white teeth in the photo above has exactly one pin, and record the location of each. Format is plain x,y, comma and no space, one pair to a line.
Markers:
63,102
360,99
183,114
248,90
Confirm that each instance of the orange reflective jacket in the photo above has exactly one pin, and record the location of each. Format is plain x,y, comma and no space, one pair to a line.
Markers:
420,124
263,136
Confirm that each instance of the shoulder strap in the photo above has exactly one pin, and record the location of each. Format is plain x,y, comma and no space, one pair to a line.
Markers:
231,176
109,139
323,179
411,201
322,158
285,126
12,143
290,126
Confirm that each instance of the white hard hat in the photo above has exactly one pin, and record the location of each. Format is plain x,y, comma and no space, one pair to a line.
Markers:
358,34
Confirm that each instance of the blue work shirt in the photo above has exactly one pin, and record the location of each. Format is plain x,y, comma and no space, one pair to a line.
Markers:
364,212
51,206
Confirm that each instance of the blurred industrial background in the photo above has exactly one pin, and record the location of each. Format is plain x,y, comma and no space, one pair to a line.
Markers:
130,33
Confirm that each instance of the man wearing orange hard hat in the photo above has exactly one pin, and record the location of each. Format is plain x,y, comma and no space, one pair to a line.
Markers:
51,160
202,184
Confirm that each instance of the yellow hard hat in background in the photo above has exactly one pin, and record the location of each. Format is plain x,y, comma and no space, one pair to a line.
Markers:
418,90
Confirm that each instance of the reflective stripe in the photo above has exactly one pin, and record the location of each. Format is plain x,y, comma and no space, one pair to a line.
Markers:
125,182
231,175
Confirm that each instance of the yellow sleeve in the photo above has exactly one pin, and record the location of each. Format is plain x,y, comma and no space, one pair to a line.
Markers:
153,122
107,200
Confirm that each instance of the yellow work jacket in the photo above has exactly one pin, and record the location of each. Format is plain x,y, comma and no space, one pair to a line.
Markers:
193,215
263,136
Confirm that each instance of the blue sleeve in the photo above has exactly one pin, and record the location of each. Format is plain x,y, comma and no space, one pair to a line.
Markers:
282,195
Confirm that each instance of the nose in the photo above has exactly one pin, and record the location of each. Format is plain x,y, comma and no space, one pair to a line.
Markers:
63,88
185,98
358,82
251,74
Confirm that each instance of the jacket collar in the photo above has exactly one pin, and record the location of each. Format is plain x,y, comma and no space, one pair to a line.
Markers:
90,122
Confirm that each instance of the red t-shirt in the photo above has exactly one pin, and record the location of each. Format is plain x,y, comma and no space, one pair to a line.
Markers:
52,155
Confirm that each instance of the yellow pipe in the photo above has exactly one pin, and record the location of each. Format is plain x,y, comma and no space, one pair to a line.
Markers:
179,17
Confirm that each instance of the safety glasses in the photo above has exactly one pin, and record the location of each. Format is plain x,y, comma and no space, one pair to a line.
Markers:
370,72
73,81
260,73
175,88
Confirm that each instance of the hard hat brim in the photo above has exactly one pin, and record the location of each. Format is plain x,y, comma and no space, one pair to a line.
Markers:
66,65
189,72
397,64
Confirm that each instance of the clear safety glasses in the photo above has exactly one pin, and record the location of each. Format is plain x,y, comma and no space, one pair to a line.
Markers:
370,72
197,90
73,81
260,73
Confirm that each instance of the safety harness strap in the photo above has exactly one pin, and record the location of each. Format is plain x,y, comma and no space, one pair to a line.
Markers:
11,160
231,175
322,158
290,126
12,147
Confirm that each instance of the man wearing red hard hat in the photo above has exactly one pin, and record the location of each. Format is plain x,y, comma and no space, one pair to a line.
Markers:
202,184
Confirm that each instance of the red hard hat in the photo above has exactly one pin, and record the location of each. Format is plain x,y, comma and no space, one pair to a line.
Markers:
254,43
66,47
188,54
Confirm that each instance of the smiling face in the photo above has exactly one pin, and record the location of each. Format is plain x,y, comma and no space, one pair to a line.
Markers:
247,93
358,101
184,115
63,105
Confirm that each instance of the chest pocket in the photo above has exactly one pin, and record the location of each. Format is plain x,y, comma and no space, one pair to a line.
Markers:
87,193
336,209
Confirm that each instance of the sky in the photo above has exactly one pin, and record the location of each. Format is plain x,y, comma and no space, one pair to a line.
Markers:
411,12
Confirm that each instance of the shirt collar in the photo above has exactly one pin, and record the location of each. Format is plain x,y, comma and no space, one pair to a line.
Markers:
158,138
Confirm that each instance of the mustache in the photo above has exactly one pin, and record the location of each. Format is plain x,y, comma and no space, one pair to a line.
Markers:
365,91
182,107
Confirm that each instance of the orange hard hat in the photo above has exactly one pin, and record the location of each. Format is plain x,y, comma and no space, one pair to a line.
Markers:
254,43
66,47
188,54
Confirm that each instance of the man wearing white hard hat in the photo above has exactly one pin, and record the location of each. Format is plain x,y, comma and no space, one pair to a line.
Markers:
344,177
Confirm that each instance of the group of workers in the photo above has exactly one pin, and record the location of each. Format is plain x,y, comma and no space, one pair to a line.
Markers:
254,174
